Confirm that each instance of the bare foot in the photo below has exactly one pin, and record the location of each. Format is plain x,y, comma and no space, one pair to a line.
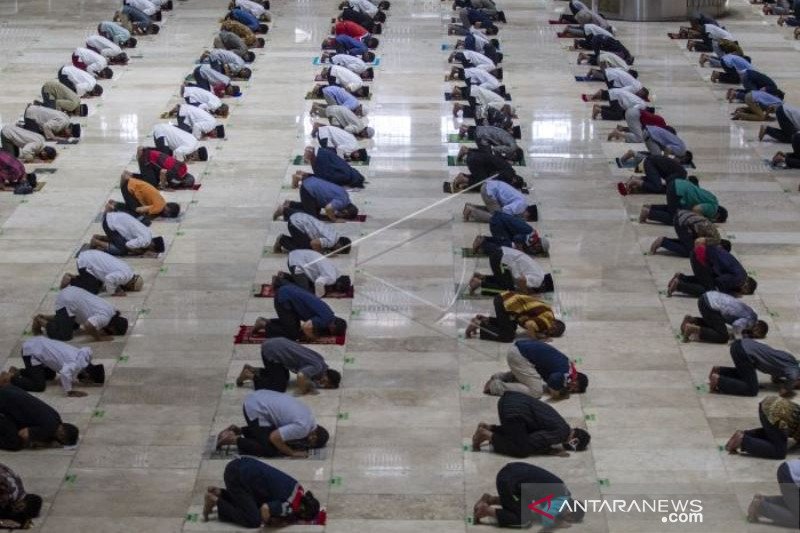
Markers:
476,243
713,382
209,503
656,245
672,286
753,508
246,374
481,435
466,212
474,284
644,213
761,132
472,329
735,442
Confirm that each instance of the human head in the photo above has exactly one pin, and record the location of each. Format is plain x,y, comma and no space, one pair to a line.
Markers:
309,507
330,379
219,131
318,437
759,331
687,158
368,133
749,286
557,329
531,213
371,42
722,215
368,74
330,42
249,56
260,42
380,16
83,110
157,244
342,284
67,434
97,90
456,73
644,94
633,73
348,212
359,155
342,245
223,110
95,373
337,327
578,440
48,153
202,153
105,74
171,210
154,29
74,130
579,384
725,244
263,28
492,30
233,90
693,179
117,326
131,43
245,73
384,5
32,505
135,284
368,57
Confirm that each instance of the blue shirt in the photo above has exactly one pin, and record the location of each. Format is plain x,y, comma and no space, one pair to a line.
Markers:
729,274
666,140
246,18
735,62
764,99
510,199
264,484
330,167
353,46
506,227
306,305
552,365
341,97
325,192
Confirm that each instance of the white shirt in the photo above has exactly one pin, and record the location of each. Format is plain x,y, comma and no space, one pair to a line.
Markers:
626,99
283,412
136,234
480,39
29,142
107,48
214,76
112,271
148,7
182,143
522,265
717,34
254,8
478,59
59,357
202,98
318,268
83,81
352,63
364,6
226,57
612,60
345,143
200,120
620,79
346,78
315,229
480,77
85,307
94,62
594,29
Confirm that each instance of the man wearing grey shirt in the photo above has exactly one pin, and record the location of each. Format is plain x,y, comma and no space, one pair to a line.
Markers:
282,356
718,310
748,357
277,424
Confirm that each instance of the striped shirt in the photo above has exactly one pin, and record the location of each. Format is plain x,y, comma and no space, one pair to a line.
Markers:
530,313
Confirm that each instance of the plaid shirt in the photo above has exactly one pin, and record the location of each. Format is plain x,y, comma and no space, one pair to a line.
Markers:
784,414
11,489
532,314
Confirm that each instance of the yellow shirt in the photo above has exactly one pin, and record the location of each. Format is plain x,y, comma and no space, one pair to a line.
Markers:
147,195
532,314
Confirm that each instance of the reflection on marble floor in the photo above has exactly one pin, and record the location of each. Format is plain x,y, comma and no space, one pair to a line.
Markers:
411,382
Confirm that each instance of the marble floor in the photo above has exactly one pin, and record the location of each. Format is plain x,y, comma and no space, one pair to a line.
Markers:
411,392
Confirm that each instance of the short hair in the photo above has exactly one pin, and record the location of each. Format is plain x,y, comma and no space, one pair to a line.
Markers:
583,439
557,329
380,16
106,74
154,29
309,507
260,42
343,245
71,434
338,326
97,90
372,42
223,110
83,110
688,157
361,154
583,382
118,325
263,28
760,330
131,43
97,373
634,73
749,286
722,215
368,57
693,179
245,73
322,436
342,284
492,30
384,4
725,244
249,56
48,153
532,212
334,378
33,505
202,153
349,212
171,210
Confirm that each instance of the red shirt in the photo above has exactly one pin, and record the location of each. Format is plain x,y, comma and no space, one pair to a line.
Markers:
351,29
651,119
161,160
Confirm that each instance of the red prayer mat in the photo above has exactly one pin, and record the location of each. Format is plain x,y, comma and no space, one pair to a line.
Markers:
245,336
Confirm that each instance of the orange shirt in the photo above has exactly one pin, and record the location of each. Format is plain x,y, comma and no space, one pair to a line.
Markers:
147,195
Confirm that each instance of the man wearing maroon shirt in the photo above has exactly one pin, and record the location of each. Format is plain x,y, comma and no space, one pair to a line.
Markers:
162,170
12,172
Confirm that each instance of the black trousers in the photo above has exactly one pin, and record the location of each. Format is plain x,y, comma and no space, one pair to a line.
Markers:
612,111
161,145
511,507
501,327
700,282
32,378
793,158
236,504
307,204
274,376
300,279
9,438
287,324
117,241
713,327
296,240
665,214
786,128
131,203
741,379
501,279
768,441
783,510
255,440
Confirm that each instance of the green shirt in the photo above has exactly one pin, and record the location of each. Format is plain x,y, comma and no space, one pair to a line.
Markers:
691,195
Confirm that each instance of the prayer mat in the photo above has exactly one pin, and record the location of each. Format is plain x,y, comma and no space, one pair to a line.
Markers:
39,186
245,336
447,187
298,161
267,291
45,170
585,78
318,61
456,138
194,187
227,453
672,35
621,165
555,22
451,162
67,141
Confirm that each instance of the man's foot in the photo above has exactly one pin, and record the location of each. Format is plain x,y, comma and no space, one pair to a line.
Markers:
735,442
655,246
781,20
209,503
486,499
644,213
278,213
713,382
672,286
714,370
778,159
595,111
476,243
796,33
690,332
462,153
480,436
260,325
754,508
474,284
761,132
247,374
467,210
481,511
456,109
226,437
472,329
277,248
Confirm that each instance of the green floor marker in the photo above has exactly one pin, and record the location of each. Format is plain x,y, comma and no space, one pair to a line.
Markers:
193,202
343,416
466,447
466,387
702,388
26,333
578,360
144,311
590,418
355,312
122,359
773,314
556,271
229,386
179,233
54,289
604,482
469,520
191,517
98,413
721,448
163,269
662,293
336,481
348,360
731,236
70,479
